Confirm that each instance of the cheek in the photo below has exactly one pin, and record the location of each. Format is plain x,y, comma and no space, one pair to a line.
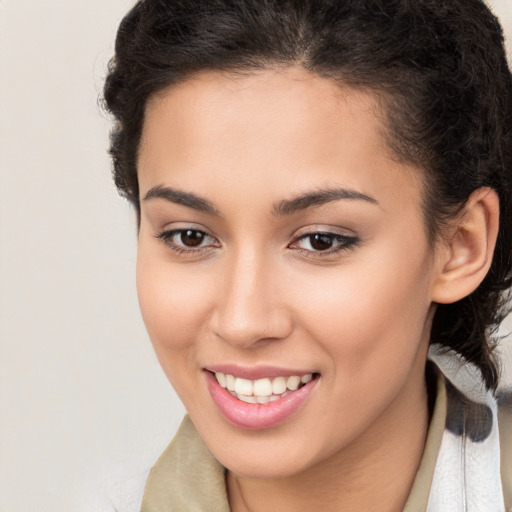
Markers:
372,312
173,303
371,321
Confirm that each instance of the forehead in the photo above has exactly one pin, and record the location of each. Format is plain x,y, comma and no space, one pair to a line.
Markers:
287,130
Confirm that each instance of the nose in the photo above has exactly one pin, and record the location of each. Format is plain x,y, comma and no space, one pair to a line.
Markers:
250,306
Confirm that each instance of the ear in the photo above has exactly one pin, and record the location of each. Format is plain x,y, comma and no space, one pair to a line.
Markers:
465,256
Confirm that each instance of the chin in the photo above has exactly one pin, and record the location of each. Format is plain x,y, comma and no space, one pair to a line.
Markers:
269,455
265,467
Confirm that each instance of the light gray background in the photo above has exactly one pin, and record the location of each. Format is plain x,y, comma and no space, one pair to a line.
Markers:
83,401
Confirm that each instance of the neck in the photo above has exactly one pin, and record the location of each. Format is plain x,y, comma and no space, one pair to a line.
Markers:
375,472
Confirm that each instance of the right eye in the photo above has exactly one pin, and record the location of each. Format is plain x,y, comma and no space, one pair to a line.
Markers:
192,241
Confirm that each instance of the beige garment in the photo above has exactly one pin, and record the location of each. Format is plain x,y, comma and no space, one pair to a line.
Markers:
188,478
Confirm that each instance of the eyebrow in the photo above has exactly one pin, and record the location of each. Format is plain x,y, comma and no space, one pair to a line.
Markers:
284,207
318,198
183,198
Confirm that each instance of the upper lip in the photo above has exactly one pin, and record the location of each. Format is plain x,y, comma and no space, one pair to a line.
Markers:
255,372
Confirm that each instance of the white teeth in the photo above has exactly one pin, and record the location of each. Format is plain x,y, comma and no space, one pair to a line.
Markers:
230,382
261,391
262,387
221,379
278,385
243,386
306,378
249,399
292,383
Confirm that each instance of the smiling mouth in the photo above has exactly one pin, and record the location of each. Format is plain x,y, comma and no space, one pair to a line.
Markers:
262,391
260,403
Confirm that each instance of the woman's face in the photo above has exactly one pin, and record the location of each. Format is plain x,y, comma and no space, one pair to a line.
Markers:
280,241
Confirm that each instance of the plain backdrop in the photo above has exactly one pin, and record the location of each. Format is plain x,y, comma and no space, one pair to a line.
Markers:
83,401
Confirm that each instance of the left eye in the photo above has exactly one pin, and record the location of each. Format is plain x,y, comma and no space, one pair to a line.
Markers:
324,242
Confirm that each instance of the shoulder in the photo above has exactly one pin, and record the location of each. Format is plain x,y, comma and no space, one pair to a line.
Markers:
186,477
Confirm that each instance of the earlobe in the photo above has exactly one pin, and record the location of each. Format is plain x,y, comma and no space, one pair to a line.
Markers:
466,255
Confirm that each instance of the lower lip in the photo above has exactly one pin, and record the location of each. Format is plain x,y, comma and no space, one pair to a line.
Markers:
257,416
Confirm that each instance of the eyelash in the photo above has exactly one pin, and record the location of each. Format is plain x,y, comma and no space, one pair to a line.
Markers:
167,239
345,243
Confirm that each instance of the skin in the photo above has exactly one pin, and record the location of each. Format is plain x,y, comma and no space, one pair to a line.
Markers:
254,293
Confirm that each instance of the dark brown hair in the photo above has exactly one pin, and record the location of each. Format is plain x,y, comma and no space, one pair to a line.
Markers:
439,65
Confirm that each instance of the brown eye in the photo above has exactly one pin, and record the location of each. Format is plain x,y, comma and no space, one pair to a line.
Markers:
324,243
321,242
192,238
191,241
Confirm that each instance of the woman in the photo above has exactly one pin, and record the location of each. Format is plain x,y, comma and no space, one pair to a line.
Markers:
323,190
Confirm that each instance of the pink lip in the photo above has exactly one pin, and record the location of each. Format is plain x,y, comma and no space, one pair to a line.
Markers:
257,416
254,373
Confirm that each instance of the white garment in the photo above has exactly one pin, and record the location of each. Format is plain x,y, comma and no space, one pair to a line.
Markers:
467,472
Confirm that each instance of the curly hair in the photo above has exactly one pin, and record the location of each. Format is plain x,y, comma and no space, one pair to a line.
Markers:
439,66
